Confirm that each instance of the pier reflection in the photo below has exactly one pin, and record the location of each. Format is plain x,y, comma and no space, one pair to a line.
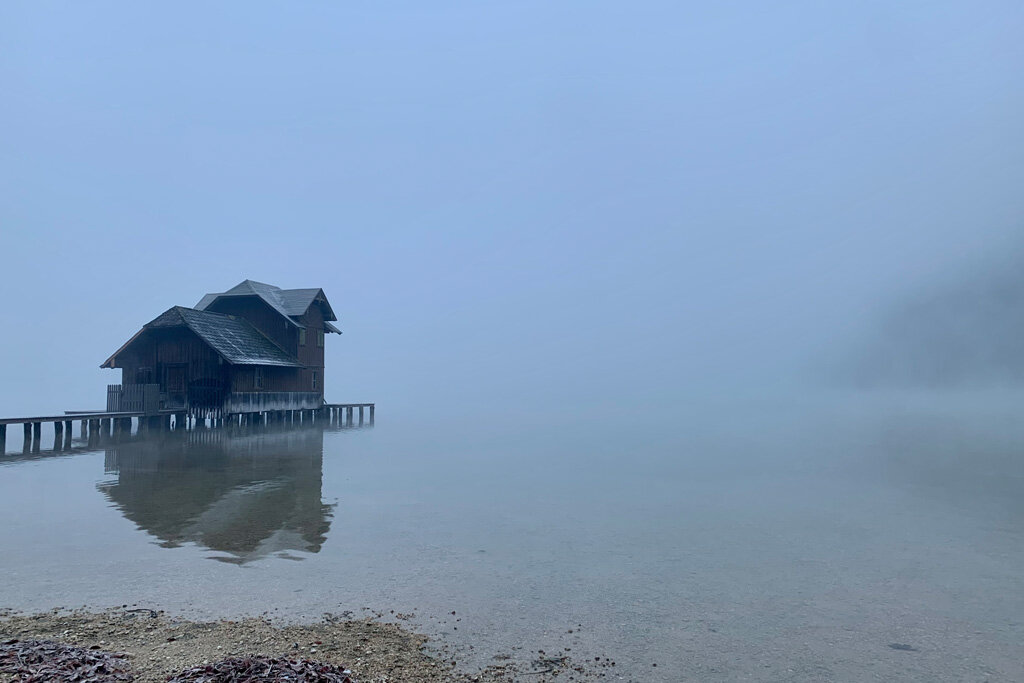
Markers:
246,496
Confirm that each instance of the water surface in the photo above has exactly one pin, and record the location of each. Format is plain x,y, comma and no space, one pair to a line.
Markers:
760,541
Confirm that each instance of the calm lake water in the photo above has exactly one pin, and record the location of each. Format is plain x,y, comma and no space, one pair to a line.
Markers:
759,540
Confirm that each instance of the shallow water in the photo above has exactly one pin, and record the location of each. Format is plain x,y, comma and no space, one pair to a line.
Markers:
761,541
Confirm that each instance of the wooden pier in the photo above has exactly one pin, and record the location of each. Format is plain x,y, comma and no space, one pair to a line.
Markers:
99,425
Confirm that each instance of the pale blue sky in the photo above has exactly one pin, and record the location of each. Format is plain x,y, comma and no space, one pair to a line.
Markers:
521,203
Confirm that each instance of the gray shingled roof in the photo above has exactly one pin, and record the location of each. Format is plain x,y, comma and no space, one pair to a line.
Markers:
233,338
290,303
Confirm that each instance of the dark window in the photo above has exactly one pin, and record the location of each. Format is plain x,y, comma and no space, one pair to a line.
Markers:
320,338
314,380
259,378
302,336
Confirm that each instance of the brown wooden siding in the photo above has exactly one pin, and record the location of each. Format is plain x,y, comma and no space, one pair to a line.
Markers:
174,358
243,378
311,354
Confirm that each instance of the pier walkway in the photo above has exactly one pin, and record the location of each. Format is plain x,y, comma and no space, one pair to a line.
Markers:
97,424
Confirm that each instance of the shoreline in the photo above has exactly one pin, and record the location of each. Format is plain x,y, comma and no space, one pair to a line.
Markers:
158,645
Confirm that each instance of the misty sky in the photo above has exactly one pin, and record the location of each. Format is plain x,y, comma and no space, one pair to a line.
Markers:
508,204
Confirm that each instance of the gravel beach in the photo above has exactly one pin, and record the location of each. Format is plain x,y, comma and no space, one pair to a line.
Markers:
158,646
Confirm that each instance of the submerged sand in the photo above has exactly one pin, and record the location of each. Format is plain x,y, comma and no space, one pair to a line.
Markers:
159,646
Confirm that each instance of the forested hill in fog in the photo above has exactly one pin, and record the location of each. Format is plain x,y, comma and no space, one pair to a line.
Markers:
966,330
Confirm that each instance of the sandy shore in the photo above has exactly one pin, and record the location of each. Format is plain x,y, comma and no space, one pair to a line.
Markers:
158,646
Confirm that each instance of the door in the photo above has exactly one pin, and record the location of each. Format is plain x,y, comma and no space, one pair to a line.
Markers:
176,381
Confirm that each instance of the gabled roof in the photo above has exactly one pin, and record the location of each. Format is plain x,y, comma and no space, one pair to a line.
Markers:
235,339
290,303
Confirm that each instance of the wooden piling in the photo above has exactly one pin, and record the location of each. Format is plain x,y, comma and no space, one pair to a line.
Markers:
37,431
3,439
371,413
360,416
67,434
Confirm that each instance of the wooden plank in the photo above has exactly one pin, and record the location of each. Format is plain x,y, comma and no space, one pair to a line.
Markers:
66,416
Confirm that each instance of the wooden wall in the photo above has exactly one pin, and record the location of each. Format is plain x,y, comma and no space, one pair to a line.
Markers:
243,379
174,354
311,354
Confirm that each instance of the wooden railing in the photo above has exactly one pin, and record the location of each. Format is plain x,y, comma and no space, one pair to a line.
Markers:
133,398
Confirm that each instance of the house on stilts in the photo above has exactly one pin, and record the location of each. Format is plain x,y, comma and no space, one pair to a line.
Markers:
252,349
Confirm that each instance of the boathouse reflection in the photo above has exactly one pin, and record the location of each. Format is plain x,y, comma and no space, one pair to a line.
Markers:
246,496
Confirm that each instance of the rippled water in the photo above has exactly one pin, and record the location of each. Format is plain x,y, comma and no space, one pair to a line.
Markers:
760,542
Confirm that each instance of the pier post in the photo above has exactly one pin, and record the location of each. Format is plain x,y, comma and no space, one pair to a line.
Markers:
349,414
372,406
360,416
37,434
105,426
94,431
85,428
58,435
3,439
67,434
28,437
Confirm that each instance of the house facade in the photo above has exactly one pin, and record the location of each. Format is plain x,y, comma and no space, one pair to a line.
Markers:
252,348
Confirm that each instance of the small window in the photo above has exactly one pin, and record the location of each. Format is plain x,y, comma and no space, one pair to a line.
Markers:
259,378
320,338
302,336
314,380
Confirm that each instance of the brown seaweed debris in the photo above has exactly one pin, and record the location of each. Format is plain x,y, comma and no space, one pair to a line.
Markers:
263,670
39,661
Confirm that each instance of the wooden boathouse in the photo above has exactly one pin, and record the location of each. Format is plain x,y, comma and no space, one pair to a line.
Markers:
250,356
254,348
